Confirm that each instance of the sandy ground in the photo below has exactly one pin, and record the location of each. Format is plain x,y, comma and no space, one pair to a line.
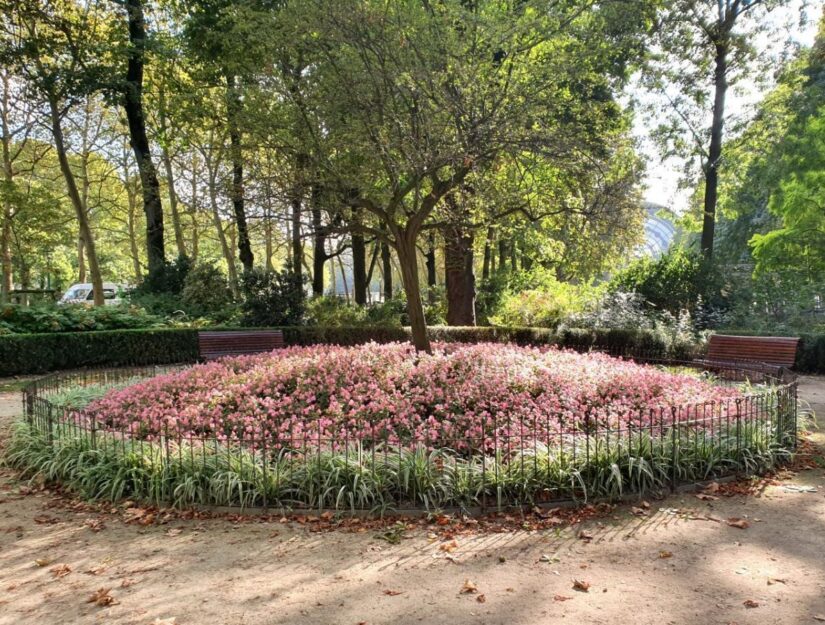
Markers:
676,565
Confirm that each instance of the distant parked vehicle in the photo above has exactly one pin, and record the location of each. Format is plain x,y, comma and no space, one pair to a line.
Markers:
82,294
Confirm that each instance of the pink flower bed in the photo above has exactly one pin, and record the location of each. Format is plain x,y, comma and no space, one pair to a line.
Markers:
454,397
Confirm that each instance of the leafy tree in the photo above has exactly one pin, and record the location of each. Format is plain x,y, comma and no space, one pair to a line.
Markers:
272,298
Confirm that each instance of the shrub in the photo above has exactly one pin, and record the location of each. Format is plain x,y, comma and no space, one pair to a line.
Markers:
333,311
30,353
72,318
272,298
206,293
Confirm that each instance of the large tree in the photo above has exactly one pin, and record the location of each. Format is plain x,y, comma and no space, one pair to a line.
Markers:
702,49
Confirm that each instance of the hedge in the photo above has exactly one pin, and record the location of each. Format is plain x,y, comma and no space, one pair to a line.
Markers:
35,353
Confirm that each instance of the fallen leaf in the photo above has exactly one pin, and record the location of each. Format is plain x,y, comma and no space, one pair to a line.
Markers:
742,524
750,603
448,547
174,532
165,621
481,599
561,598
638,511
95,524
776,580
469,587
43,561
128,582
60,570
586,536
665,554
581,585
706,497
713,487
102,598
819,617
442,520
393,593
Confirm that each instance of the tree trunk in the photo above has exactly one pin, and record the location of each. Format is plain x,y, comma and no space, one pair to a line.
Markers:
459,276
386,271
720,82
233,110
7,283
319,248
432,279
170,175
81,260
133,107
359,268
502,255
268,242
408,263
225,249
77,203
488,253
131,223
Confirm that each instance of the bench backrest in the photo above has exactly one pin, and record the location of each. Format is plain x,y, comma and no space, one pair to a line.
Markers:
773,350
217,343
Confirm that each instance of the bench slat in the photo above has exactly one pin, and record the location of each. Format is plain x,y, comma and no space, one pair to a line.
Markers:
218,343
775,350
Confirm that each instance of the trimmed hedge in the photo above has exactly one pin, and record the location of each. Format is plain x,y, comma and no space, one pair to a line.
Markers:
35,353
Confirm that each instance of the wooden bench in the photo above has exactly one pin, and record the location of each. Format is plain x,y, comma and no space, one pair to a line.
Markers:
214,344
774,351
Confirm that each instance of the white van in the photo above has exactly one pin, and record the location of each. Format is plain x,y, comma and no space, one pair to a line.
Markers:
82,294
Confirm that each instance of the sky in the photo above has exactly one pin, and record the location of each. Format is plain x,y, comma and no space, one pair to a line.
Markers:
663,176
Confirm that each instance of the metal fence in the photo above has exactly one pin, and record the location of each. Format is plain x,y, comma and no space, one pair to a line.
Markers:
537,462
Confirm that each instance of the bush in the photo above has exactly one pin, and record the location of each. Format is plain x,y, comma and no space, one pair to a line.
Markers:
206,294
676,281
16,319
333,311
32,353
272,298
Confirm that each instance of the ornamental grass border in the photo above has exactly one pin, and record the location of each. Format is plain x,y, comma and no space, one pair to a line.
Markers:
57,442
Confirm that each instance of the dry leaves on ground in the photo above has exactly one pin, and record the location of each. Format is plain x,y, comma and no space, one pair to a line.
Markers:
581,585
60,570
741,524
469,587
102,598
750,603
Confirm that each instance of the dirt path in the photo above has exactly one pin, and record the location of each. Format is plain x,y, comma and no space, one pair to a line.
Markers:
216,572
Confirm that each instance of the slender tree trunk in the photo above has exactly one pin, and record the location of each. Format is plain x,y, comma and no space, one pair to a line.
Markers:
81,260
343,276
432,278
502,255
131,222
359,268
319,245
7,283
225,249
77,203
371,270
488,253
233,112
715,150
268,241
459,276
133,107
386,271
408,263
170,175
296,203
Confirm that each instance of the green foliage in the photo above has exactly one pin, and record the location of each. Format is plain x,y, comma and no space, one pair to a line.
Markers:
544,303
161,290
272,298
73,318
206,293
332,311
31,353
678,280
